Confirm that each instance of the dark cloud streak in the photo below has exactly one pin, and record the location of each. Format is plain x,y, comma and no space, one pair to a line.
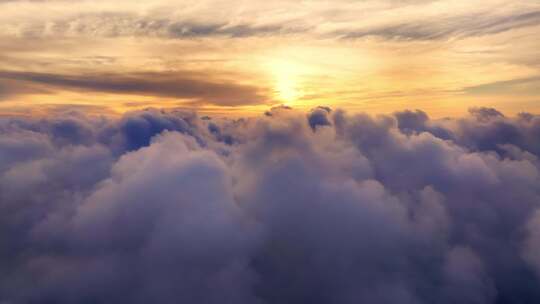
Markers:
454,27
172,85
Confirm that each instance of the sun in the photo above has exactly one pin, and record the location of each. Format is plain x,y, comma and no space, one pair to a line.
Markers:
286,88
287,76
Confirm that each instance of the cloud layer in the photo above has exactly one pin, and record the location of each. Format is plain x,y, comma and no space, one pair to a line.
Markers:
215,18
324,207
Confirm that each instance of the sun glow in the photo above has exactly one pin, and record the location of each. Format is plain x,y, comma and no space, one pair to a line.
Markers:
287,77
286,89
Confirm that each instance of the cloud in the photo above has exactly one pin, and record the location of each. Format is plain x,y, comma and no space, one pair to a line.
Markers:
124,23
319,117
425,22
522,86
172,85
448,27
193,30
323,207
10,88
532,245
486,130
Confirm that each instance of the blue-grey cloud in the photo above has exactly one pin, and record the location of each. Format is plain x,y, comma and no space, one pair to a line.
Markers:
163,25
325,207
455,27
123,24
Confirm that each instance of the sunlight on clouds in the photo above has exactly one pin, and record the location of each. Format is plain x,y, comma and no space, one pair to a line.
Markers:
375,55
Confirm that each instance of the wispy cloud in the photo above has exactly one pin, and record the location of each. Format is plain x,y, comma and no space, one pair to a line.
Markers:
174,85
452,27
522,86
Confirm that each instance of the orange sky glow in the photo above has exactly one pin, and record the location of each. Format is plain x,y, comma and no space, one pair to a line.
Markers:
242,57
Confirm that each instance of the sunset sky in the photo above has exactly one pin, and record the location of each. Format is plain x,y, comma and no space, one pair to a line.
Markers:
242,57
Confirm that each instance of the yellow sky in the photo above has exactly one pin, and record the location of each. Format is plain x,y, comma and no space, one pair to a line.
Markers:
242,57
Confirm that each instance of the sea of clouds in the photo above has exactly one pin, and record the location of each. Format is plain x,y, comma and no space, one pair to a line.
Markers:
290,207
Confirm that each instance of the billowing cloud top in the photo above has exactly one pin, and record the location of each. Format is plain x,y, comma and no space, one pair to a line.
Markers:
243,56
325,207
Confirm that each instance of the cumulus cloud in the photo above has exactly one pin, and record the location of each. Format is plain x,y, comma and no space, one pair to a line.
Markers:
324,207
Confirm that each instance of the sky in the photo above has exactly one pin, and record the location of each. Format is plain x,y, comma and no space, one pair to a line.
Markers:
240,57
